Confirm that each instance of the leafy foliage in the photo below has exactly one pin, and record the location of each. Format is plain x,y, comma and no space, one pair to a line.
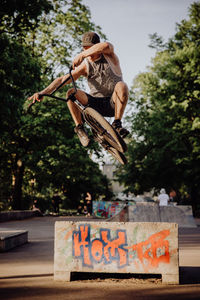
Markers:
39,152
19,74
167,125
19,16
58,35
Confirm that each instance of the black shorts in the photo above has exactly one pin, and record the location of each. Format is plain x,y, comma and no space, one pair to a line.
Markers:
104,105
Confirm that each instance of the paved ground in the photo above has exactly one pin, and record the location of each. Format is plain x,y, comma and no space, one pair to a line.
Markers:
26,272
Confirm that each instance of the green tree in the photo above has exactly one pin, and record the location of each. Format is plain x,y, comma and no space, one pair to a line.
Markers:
58,35
19,16
19,75
55,159
39,151
166,149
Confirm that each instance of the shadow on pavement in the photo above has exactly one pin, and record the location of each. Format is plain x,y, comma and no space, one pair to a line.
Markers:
46,288
189,275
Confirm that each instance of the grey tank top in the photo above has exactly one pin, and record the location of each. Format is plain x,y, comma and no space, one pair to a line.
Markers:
101,78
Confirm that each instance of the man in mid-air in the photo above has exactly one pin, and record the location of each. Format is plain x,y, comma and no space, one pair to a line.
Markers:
108,92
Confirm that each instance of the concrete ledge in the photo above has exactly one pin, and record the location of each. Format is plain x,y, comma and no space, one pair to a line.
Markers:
181,214
18,215
107,209
112,247
12,239
122,216
144,212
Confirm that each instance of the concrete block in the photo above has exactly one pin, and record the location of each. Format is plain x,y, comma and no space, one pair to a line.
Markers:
122,216
11,239
106,209
113,247
170,278
6,216
144,212
181,214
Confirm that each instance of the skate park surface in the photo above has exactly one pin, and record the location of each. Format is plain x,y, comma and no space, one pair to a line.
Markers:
26,272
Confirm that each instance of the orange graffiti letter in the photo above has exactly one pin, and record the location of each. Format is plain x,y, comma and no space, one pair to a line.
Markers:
81,241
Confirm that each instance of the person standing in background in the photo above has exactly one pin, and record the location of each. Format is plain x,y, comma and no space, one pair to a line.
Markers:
163,198
88,199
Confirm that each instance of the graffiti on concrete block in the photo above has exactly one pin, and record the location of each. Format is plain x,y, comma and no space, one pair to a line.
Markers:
106,209
106,250
102,249
153,251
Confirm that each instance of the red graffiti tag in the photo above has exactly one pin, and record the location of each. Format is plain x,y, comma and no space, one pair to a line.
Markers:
148,251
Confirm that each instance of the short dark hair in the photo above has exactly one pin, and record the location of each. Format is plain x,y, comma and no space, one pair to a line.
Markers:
90,39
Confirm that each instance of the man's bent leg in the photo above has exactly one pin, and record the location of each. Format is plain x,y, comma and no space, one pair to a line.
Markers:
120,98
80,96
76,115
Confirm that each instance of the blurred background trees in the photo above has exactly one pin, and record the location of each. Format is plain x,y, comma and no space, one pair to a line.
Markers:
165,148
39,153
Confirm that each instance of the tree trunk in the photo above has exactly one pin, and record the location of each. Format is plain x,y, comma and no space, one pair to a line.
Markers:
194,198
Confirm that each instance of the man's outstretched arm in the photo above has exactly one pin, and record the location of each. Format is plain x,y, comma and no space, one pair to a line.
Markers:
49,89
99,48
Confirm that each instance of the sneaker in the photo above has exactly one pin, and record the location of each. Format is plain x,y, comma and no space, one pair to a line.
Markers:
82,134
117,125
